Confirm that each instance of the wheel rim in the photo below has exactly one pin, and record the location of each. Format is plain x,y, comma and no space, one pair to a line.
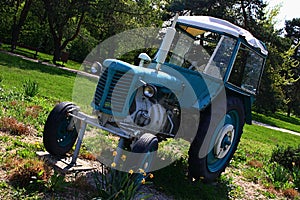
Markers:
65,136
223,141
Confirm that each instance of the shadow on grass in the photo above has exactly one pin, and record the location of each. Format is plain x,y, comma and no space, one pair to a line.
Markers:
173,181
285,118
17,62
263,119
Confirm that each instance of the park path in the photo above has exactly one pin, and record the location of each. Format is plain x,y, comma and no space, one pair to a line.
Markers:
276,128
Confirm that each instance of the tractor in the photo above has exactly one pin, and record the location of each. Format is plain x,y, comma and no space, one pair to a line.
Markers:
199,86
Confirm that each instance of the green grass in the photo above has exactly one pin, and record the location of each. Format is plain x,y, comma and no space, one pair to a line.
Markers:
41,56
53,82
257,143
266,139
279,120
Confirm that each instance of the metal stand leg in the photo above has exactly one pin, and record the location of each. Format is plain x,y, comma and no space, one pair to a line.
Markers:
79,141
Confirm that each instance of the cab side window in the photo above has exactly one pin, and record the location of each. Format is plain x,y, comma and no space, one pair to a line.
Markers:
247,69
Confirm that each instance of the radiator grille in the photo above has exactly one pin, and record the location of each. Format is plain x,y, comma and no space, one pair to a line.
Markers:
108,96
100,87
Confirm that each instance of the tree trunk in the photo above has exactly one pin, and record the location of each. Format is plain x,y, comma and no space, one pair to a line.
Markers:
289,110
244,14
17,26
56,54
58,25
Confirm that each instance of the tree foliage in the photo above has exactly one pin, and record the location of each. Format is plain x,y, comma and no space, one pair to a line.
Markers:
292,28
290,81
65,19
77,26
19,10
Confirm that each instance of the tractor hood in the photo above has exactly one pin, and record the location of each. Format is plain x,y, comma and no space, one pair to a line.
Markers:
192,89
144,75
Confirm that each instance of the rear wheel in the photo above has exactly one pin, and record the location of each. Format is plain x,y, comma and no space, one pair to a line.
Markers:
59,136
221,144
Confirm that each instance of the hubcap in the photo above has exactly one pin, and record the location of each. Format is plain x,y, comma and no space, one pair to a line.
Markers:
65,136
224,141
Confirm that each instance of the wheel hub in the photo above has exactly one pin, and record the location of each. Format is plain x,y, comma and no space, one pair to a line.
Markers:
224,141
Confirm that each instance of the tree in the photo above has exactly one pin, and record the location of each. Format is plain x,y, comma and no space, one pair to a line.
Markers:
215,8
108,18
65,18
270,97
292,68
36,31
19,21
17,10
6,19
292,28
290,81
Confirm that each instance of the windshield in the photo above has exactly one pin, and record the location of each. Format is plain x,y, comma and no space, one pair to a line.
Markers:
201,51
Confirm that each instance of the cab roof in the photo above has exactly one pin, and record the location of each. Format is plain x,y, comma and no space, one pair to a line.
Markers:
222,26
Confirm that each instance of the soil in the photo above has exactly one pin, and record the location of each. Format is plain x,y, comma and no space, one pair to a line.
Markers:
83,182
249,190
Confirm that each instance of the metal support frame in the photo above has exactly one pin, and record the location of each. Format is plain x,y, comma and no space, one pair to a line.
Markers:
84,121
79,142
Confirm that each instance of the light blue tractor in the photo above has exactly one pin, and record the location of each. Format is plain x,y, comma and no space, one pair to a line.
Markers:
199,86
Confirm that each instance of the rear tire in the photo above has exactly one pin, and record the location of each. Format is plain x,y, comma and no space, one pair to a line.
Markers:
57,139
221,144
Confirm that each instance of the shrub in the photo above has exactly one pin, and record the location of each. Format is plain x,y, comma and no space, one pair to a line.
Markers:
121,185
296,177
278,175
30,174
287,157
287,161
31,88
82,46
12,125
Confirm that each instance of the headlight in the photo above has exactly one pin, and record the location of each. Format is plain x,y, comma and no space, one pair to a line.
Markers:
149,90
96,68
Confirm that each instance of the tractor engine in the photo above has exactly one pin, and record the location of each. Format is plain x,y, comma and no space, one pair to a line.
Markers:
154,111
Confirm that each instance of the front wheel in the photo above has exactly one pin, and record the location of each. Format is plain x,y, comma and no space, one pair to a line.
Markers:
60,132
220,144
145,147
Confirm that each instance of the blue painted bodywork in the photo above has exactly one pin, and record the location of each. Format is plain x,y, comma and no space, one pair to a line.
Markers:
192,89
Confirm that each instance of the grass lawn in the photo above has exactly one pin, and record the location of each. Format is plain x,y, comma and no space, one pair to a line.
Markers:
265,139
41,56
53,82
279,120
